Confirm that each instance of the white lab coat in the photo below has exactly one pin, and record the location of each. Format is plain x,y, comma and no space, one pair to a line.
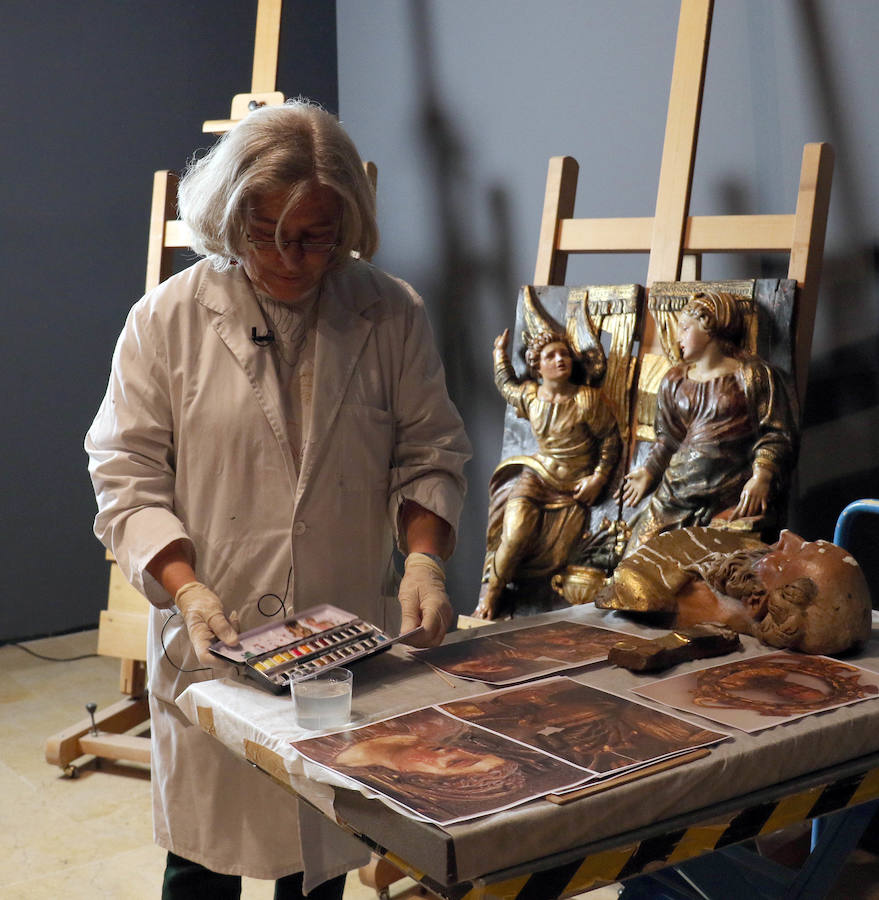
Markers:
190,441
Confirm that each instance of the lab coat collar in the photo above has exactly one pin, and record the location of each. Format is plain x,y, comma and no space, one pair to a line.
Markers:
346,295
231,297
342,331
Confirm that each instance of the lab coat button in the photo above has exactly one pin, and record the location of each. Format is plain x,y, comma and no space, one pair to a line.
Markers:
300,528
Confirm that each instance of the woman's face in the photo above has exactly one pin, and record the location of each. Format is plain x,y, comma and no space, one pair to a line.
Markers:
287,275
555,362
692,338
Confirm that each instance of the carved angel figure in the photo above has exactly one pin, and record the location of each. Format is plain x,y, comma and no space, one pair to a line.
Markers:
725,431
539,503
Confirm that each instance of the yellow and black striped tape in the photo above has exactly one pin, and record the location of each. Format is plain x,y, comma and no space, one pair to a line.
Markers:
620,863
609,866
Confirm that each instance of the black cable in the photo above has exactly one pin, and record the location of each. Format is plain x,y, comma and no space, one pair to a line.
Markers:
165,649
51,658
282,607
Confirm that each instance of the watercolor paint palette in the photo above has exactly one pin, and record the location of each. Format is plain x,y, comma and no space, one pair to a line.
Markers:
320,638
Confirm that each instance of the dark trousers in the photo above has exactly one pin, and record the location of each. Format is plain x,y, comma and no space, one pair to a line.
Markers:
185,880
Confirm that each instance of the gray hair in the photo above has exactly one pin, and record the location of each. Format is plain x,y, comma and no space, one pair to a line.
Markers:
276,149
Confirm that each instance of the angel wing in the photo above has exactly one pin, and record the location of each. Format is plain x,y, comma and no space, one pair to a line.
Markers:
578,328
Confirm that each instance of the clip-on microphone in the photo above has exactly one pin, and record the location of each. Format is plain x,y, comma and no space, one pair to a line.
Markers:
262,340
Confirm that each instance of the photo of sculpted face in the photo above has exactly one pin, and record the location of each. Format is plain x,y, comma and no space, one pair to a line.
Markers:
410,754
439,766
794,594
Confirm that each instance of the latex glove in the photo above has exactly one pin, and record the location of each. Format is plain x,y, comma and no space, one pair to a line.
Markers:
424,600
205,619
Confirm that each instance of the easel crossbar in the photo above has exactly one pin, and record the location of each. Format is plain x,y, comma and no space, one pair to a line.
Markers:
702,234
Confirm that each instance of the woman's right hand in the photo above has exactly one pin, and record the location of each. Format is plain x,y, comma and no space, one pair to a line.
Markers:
205,619
635,486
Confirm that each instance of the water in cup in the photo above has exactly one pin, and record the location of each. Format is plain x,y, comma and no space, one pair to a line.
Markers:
323,702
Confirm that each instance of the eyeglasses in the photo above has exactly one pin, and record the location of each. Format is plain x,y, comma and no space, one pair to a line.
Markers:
304,246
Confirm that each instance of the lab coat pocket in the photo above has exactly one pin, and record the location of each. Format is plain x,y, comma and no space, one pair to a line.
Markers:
364,443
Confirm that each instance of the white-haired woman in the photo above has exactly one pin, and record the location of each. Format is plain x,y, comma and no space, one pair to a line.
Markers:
276,418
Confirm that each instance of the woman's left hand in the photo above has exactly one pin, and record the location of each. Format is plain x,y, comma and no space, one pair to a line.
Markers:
424,601
755,495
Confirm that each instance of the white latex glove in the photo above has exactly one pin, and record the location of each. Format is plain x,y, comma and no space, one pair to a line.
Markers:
205,619
424,600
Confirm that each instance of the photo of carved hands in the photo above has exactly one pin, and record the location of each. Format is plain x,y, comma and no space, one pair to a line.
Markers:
583,725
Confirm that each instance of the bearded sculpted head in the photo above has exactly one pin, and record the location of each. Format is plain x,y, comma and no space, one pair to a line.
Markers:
817,599
810,596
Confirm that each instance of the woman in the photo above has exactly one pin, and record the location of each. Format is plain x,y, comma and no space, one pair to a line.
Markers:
276,416
539,503
725,433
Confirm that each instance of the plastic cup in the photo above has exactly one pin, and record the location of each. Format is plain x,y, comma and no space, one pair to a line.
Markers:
324,701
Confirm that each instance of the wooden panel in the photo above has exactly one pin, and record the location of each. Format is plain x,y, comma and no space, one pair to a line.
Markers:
177,234
130,747
122,716
702,234
160,258
240,108
122,634
132,677
122,597
738,234
628,235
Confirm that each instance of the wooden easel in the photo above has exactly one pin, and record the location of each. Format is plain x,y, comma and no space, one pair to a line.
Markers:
167,233
122,630
674,240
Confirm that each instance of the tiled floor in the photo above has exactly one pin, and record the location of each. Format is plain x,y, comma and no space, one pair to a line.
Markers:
91,837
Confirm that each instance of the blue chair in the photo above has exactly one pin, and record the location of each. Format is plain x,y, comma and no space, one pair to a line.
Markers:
843,531
842,535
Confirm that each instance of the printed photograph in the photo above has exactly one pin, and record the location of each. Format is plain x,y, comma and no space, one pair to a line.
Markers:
757,693
583,725
524,653
439,767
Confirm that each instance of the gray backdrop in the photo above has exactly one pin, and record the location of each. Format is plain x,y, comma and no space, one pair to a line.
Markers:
460,103
98,94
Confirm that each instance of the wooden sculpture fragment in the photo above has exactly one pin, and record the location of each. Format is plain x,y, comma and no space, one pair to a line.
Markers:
794,594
